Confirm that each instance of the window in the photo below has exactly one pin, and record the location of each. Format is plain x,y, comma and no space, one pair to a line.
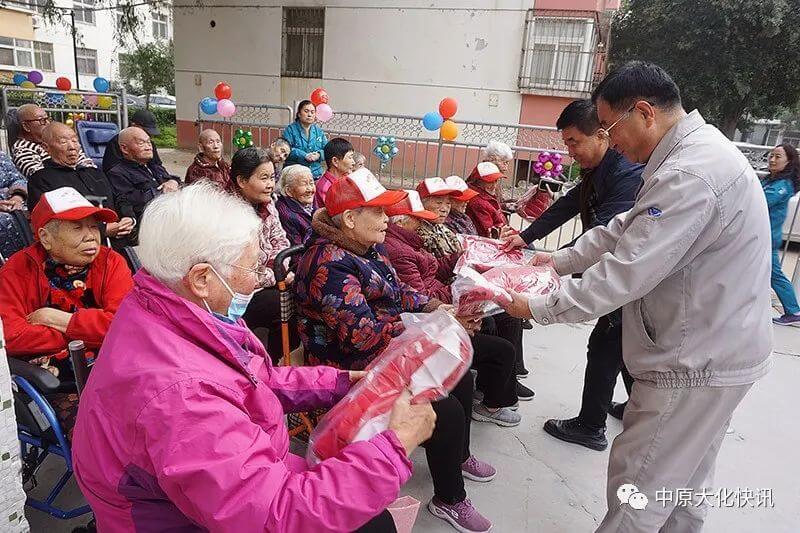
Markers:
303,40
43,56
561,54
16,52
36,5
160,25
87,61
83,15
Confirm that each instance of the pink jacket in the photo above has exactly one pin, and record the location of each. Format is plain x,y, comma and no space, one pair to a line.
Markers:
181,427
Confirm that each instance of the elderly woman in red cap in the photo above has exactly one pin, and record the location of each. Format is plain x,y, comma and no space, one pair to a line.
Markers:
436,194
458,220
484,209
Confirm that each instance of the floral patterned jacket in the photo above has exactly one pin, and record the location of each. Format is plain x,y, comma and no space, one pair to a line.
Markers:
349,298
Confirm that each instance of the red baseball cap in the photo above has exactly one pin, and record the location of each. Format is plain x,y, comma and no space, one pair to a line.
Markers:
462,191
411,205
360,189
434,187
66,203
486,171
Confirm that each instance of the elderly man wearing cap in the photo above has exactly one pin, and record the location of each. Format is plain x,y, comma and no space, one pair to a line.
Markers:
145,121
350,301
66,286
28,151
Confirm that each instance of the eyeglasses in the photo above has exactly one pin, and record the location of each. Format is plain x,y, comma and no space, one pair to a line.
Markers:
622,117
44,121
261,275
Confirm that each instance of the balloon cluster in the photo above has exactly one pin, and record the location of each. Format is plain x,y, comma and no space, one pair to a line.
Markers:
222,104
29,81
319,97
448,130
243,139
548,165
72,118
385,150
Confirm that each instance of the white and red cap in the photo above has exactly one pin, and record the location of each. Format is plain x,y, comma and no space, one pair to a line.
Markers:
462,191
411,205
66,203
486,171
434,187
360,189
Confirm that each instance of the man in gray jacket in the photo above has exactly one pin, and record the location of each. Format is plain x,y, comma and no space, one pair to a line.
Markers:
690,265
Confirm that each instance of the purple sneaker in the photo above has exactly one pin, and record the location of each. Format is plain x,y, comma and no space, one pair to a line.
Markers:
462,515
787,320
477,470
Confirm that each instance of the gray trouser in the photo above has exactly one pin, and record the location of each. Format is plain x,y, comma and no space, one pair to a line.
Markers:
670,441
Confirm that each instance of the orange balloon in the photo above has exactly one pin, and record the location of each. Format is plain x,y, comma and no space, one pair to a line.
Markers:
449,130
448,107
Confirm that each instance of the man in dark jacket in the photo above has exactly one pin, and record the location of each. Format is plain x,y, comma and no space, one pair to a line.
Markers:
608,186
61,169
146,121
133,181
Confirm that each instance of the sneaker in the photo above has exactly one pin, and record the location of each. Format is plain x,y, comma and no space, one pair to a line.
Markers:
571,430
524,393
617,409
786,320
502,417
526,324
522,372
477,470
462,515
515,406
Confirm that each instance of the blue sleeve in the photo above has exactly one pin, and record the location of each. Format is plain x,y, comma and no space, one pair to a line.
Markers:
777,192
291,134
619,195
557,214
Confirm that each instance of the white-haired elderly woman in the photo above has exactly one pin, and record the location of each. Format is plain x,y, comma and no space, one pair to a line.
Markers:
182,425
296,202
500,154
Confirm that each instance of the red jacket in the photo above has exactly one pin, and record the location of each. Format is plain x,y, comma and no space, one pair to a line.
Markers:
418,268
24,288
484,210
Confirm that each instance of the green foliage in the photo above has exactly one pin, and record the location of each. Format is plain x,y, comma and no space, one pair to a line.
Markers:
163,116
168,137
150,67
730,58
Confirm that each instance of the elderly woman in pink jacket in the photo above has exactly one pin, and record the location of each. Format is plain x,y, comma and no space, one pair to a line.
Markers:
181,425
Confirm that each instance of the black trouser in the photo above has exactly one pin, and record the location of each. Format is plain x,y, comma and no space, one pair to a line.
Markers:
383,523
603,365
448,447
510,328
264,311
493,359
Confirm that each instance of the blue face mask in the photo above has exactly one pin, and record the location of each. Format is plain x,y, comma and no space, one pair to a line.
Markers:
239,302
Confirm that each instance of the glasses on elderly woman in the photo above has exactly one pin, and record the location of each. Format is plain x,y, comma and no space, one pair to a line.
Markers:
258,269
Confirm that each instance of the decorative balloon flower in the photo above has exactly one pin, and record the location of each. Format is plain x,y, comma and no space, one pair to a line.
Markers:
448,130
385,150
319,97
242,139
548,165
222,104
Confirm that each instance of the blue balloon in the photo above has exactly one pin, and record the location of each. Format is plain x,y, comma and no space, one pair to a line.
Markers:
381,140
432,121
101,85
390,140
208,105
19,78
395,150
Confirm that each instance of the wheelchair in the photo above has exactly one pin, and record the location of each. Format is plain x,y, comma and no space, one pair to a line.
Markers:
39,430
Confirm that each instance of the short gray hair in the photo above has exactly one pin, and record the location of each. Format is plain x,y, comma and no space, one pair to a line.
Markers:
197,224
497,150
337,219
288,175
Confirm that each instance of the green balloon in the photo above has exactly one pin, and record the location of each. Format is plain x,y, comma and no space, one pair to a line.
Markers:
239,132
249,143
248,134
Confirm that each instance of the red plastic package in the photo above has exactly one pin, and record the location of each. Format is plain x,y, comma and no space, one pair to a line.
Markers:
429,358
473,294
533,203
481,253
525,279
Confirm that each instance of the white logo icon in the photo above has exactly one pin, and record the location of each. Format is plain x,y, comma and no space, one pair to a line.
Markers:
629,494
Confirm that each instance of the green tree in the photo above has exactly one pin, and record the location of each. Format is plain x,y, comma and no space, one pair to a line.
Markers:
730,58
150,67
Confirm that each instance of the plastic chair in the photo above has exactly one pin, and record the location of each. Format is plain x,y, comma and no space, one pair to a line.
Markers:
298,422
38,428
94,137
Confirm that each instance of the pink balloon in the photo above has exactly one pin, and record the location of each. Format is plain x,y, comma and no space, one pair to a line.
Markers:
226,108
538,167
91,99
558,168
324,112
548,174
557,158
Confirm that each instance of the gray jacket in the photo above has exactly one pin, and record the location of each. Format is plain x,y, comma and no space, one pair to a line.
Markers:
690,262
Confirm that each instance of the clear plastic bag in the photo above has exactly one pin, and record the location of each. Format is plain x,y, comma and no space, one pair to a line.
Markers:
473,294
481,253
525,279
429,358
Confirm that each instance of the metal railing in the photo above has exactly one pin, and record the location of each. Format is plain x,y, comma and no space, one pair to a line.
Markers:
99,107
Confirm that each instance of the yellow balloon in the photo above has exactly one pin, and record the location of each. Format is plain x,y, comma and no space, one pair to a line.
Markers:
69,122
548,166
27,84
449,130
104,102
73,99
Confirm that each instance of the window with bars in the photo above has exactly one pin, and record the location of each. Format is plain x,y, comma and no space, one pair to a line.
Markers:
87,61
160,25
84,16
561,54
303,42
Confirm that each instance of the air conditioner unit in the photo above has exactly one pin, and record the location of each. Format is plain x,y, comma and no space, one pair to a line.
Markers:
36,22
